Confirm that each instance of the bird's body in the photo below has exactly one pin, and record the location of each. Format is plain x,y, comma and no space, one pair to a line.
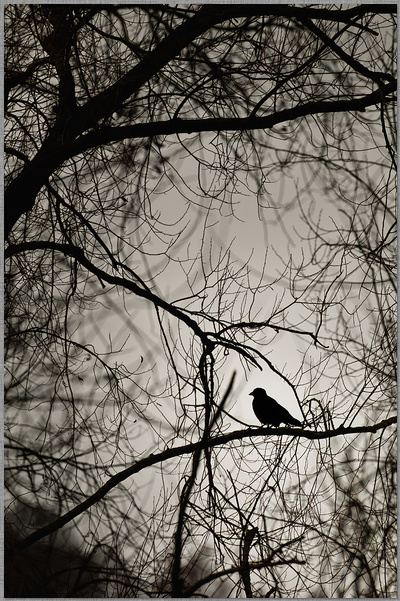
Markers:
268,411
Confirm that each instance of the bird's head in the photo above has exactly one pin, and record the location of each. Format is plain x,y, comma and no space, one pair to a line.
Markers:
257,392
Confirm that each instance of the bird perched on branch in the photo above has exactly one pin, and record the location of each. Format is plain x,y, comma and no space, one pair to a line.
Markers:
268,411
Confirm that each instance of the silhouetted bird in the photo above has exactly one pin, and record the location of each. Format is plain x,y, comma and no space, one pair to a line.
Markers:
268,411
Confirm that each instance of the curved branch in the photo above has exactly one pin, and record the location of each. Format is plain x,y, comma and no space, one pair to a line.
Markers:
169,453
144,292
378,77
79,255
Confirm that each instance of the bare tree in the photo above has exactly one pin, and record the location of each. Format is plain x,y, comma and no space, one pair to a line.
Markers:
195,195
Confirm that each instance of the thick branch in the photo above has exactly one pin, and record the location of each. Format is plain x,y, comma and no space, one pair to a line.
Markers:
20,195
188,126
110,99
245,567
79,255
169,453
62,144
144,292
